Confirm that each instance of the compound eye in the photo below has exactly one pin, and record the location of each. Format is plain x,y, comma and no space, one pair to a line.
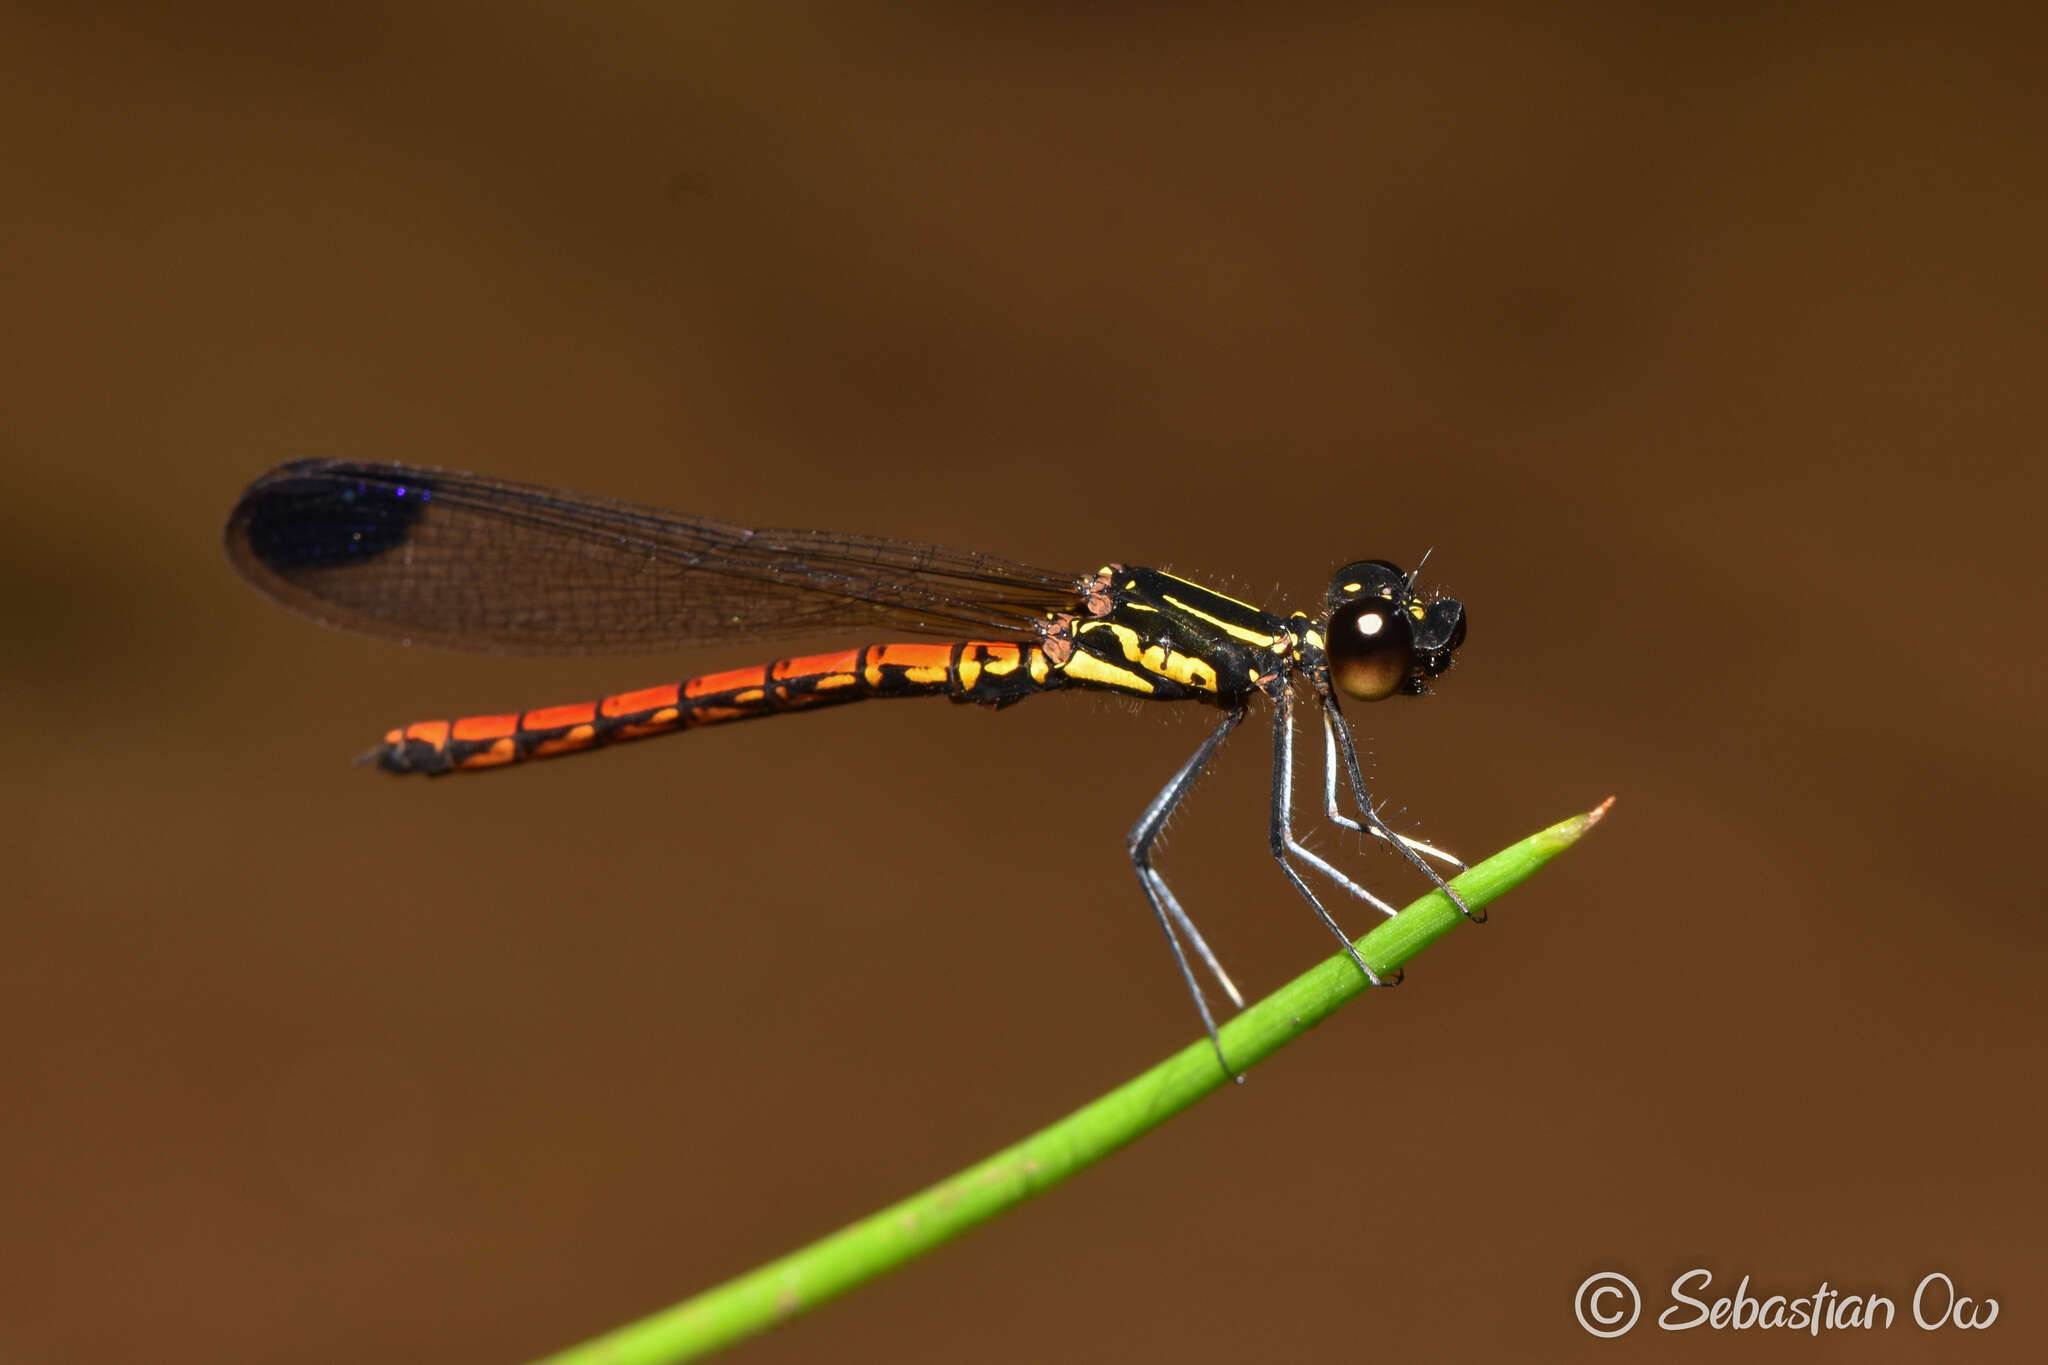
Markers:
1371,648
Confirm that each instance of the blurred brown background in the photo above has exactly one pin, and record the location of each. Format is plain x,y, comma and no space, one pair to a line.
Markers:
1703,347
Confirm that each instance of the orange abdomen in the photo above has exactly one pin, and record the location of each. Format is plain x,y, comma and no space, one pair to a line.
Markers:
992,672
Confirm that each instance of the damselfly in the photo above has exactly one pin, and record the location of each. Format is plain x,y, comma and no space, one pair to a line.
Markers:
437,557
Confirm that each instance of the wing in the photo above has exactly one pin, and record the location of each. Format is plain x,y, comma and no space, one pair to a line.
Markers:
439,557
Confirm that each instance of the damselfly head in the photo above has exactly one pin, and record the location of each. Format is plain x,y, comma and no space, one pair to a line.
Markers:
1381,639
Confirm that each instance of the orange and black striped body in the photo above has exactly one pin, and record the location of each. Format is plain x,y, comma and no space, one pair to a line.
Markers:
990,672
1146,634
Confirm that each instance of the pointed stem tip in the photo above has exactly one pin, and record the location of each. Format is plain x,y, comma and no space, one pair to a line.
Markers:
1565,833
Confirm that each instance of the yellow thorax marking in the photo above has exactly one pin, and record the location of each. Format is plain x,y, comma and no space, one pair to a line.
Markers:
1235,632
1126,638
1184,669
1085,667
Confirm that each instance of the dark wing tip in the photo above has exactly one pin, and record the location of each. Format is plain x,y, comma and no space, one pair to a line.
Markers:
316,514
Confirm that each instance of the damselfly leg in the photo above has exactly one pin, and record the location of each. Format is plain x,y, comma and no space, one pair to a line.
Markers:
1338,736
1142,836
1175,922
1338,817
1280,836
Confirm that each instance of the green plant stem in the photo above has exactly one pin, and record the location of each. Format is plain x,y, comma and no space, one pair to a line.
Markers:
893,1236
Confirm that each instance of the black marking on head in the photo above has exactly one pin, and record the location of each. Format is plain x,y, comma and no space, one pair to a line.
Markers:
1367,578
1442,627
